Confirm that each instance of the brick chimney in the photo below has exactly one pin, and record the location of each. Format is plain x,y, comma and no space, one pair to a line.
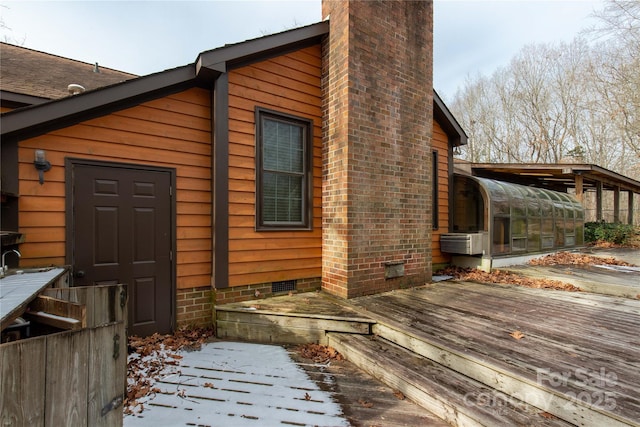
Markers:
378,109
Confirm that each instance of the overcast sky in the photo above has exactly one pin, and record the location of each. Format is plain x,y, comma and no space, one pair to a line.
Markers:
143,37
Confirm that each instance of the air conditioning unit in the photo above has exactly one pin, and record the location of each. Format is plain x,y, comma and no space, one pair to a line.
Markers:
462,243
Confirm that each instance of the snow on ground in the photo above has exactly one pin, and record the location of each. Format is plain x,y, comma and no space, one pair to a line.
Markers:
236,384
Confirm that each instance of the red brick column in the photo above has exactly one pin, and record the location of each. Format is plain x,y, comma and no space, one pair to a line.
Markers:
377,106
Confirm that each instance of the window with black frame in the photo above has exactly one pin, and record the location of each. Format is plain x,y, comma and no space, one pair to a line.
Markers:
283,171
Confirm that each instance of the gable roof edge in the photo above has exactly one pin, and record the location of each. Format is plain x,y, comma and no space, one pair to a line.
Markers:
219,59
448,122
38,119
17,100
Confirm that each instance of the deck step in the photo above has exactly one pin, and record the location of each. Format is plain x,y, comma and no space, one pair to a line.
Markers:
456,398
571,402
266,326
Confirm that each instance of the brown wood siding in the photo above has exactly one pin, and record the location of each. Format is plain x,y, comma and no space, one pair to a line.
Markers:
173,132
441,144
289,84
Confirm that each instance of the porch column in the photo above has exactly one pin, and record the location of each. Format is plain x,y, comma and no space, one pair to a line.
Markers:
630,207
599,200
579,188
616,204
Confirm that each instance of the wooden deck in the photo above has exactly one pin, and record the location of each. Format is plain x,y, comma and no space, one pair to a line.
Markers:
578,358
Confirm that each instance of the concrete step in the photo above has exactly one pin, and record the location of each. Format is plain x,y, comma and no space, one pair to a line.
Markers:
456,398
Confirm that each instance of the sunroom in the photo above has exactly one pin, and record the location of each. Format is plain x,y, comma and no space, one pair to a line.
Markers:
498,223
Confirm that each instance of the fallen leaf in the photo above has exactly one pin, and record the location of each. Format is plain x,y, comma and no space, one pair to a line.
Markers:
517,335
399,395
208,385
547,415
318,353
150,356
307,396
365,403
569,258
506,278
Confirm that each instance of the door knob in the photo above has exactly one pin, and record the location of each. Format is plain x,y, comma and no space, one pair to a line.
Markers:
80,273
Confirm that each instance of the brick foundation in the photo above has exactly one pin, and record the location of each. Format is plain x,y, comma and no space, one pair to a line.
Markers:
377,128
194,307
262,290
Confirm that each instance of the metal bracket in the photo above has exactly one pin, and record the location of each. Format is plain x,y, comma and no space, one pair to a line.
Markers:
123,297
116,346
115,402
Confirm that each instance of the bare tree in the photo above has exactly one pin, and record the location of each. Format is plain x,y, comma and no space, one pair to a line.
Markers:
567,102
7,32
619,26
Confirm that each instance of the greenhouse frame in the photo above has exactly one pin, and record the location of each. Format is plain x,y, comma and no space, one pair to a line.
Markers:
498,219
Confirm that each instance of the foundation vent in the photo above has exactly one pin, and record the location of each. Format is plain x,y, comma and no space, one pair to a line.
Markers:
284,286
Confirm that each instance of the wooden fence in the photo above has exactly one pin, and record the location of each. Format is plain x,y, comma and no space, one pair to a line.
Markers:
71,378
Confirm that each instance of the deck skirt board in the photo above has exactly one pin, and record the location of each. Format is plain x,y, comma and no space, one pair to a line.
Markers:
272,327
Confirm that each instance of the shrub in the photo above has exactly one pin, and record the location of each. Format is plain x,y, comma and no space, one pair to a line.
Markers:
619,234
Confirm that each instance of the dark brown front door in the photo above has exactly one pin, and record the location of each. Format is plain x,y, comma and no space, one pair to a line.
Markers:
122,233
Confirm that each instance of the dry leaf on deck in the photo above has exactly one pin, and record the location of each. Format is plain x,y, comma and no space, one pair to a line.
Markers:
365,403
517,335
399,395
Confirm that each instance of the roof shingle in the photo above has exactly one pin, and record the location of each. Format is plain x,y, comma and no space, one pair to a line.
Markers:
30,72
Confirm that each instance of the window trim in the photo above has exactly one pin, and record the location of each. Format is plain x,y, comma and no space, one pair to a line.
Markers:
307,185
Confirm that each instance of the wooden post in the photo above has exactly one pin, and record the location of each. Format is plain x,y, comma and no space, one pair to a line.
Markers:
599,201
579,188
630,207
616,204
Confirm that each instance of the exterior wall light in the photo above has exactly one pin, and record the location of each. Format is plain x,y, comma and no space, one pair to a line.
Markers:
41,164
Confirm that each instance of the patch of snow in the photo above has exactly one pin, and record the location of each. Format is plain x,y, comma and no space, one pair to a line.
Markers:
237,384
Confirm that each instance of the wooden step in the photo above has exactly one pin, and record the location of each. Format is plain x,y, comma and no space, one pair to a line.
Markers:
578,359
456,398
265,326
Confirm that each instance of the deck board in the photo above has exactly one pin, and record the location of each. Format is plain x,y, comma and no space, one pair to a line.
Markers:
585,336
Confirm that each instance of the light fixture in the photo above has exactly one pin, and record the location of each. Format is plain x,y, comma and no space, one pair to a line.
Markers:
41,164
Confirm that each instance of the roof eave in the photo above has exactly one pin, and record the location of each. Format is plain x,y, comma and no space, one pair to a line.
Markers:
221,59
17,100
448,122
35,120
